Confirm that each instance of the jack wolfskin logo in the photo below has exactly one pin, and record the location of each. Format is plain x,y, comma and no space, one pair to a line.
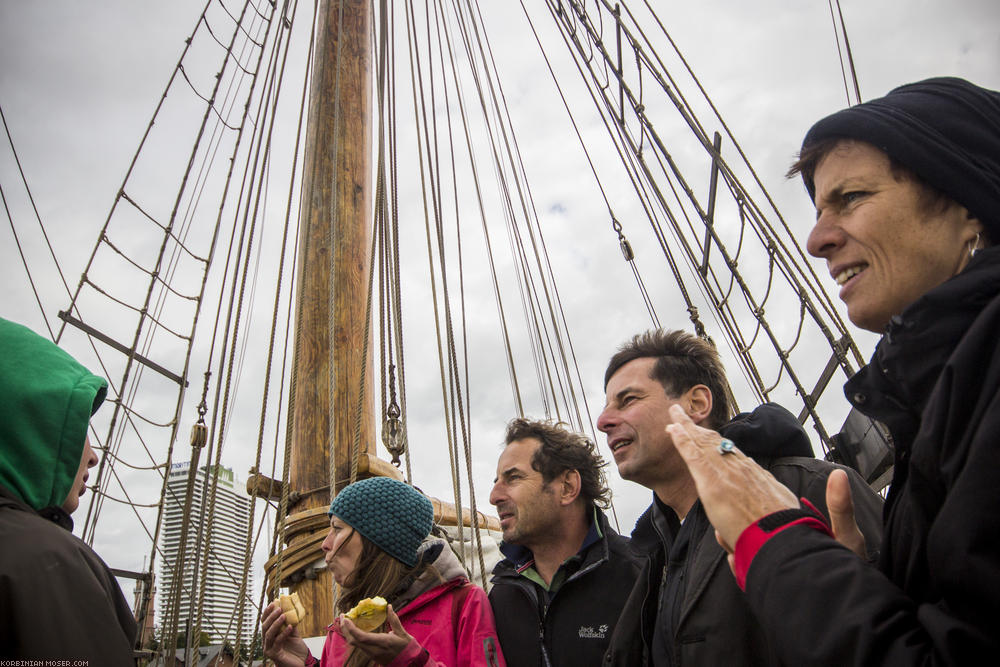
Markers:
587,632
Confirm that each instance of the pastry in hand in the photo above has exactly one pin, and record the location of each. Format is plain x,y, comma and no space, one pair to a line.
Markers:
369,614
292,607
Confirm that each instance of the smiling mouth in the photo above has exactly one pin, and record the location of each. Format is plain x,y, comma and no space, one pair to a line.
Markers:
849,273
618,444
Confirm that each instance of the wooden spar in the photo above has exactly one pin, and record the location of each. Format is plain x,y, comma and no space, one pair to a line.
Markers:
333,269
336,198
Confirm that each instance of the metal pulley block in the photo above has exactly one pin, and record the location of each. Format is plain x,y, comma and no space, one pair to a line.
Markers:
392,433
199,435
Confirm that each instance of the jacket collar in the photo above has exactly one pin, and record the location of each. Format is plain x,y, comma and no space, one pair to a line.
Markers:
655,528
56,515
442,565
595,549
895,385
768,432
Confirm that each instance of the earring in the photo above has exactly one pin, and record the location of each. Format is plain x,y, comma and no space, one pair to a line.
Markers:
974,246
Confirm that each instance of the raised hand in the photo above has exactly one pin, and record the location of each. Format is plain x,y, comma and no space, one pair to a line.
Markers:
733,489
382,647
282,644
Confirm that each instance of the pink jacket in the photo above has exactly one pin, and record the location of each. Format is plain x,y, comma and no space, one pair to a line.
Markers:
451,623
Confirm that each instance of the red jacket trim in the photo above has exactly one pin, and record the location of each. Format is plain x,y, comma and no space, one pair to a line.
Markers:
757,533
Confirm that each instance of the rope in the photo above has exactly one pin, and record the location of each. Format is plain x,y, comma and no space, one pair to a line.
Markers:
672,172
270,352
330,240
41,226
841,53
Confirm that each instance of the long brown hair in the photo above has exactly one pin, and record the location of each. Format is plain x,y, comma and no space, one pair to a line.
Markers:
376,574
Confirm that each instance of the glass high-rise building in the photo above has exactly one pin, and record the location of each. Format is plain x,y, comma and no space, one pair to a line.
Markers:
223,532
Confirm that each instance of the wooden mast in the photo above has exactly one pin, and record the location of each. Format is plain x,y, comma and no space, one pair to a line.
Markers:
333,250
333,253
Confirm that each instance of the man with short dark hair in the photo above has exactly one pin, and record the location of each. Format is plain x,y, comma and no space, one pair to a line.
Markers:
685,608
59,602
566,573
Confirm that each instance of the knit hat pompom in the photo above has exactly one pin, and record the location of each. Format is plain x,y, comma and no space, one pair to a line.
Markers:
946,130
393,515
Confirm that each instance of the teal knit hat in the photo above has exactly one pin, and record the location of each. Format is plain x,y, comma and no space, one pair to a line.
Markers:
393,515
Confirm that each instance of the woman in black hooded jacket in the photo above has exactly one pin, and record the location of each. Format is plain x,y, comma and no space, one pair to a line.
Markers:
907,193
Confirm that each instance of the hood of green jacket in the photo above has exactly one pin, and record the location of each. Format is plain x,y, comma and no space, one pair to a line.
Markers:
46,401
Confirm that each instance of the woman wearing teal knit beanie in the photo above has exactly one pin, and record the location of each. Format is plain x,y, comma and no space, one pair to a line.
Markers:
378,546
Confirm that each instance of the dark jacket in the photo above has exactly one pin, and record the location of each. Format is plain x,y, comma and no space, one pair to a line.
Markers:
710,622
934,380
574,627
58,600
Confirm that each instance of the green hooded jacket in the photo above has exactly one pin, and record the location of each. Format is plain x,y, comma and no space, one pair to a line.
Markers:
46,401
59,601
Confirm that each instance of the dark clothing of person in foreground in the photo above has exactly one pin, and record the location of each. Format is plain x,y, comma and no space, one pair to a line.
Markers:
699,616
58,600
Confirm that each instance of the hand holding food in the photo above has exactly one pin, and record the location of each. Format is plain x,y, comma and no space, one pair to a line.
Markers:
292,607
369,614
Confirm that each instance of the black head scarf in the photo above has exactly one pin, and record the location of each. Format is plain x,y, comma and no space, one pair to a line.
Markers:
946,130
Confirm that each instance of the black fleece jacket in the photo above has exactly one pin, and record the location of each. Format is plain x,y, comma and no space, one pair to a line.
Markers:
697,615
572,627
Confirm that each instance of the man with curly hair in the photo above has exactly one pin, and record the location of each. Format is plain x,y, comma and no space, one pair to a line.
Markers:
566,573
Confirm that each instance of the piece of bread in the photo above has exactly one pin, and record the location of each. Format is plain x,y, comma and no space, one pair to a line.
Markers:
369,614
292,607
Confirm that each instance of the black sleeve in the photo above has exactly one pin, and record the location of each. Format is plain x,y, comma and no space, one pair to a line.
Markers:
820,604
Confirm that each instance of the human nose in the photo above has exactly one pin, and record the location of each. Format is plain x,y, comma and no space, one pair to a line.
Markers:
496,494
825,237
328,542
605,420
92,459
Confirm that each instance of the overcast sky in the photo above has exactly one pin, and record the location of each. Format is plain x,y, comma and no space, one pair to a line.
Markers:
79,82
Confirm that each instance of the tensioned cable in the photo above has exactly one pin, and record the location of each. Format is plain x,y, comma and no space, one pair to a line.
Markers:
115,443
41,226
237,314
720,308
215,411
754,308
274,324
426,172
840,52
509,143
129,392
619,131
465,412
537,333
550,289
274,319
508,350
804,268
24,261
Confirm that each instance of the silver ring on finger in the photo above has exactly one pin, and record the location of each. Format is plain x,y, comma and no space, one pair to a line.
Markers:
726,446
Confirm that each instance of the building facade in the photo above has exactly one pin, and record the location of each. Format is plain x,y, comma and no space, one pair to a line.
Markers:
222,530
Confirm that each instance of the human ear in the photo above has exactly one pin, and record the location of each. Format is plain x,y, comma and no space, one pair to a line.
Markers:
569,486
697,402
978,236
